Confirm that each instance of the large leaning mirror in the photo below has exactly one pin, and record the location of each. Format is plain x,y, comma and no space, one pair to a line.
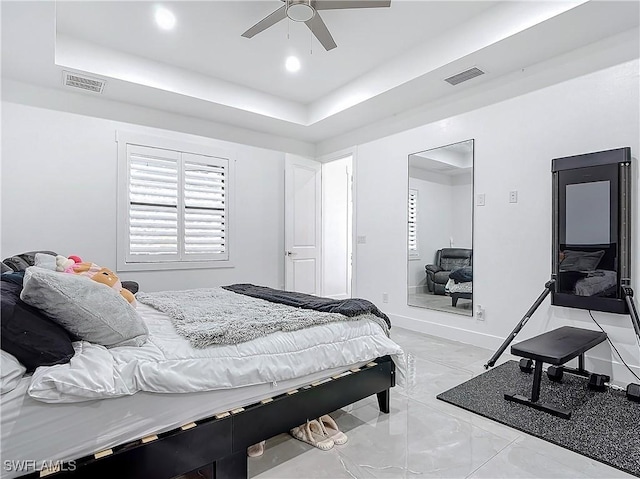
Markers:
440,229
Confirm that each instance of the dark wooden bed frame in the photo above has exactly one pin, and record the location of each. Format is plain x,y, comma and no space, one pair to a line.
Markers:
456,296
217,445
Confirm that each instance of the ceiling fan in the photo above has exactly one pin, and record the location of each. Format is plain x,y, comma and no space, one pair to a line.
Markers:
307,11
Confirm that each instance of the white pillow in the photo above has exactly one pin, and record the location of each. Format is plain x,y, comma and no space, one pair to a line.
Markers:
12,371
90,310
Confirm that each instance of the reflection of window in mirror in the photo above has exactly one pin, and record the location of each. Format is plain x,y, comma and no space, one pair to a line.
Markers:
413,224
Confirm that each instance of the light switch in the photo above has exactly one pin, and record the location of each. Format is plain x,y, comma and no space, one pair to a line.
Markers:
361,240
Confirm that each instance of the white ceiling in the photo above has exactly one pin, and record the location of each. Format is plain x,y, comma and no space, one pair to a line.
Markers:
450,159
207,39
389,63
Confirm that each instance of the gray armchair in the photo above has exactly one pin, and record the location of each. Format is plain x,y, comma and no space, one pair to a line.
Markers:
447,260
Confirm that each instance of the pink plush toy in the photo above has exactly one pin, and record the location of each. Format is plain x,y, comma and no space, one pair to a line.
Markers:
63,263
104,276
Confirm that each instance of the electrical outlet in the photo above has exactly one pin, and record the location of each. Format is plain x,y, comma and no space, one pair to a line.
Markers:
513,196
480,199
385,297
479,313
361,240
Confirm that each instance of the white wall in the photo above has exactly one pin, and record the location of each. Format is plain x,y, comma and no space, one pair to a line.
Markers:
515,141
462,210
434,223
59,192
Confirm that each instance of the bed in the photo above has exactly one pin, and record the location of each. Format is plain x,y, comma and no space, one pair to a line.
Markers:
53,424
460,284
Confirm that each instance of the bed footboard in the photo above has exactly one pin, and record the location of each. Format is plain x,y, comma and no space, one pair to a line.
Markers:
219,443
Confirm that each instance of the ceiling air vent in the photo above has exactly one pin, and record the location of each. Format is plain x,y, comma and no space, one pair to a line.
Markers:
464,76
75,80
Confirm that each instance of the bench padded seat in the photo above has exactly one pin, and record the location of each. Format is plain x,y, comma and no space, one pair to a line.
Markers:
560,345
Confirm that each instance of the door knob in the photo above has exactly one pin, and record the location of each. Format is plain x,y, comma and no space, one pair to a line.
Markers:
291,253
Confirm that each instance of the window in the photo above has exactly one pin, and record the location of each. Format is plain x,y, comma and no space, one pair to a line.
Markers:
174,206
412,219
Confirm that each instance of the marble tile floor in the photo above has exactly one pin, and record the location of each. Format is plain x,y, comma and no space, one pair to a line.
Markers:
424,437
440,303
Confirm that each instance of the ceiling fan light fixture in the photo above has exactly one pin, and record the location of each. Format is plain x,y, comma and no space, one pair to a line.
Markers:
300,10
165,18
292,64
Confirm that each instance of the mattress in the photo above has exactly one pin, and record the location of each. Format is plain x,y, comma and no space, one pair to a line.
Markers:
167,363
35,431
453,287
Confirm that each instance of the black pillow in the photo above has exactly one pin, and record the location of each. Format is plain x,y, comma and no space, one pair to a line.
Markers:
16,277
581,260
462,275
20,262
28,334
131,286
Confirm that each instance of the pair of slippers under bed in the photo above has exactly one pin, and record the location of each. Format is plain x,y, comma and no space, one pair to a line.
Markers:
322,433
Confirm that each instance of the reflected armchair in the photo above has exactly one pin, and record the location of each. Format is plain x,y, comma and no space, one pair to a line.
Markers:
447,260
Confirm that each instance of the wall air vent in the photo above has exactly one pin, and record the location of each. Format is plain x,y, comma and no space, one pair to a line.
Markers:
464,76
76,80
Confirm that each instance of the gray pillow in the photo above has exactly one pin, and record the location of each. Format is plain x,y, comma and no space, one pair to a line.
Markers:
46,261
92,311
581,260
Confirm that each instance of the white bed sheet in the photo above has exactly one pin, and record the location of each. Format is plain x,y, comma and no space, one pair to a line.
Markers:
167,363
33,430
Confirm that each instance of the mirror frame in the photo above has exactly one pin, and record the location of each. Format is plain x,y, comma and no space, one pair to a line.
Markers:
447,309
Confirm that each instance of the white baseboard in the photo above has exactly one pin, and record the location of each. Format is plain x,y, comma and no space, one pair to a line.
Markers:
419,289
447,332
620,375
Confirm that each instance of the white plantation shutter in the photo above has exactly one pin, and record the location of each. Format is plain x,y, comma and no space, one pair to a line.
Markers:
177,206
153,204
205,207
412,218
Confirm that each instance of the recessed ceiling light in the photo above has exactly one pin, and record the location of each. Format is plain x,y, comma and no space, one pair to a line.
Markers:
292,64
165,18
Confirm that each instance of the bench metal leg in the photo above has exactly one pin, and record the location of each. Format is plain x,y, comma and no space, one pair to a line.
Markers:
537,378
549,408
535,396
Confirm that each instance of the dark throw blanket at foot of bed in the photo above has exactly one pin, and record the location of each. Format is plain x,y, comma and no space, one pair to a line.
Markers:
348,307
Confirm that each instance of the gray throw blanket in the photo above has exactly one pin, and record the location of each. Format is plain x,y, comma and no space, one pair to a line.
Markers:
215,316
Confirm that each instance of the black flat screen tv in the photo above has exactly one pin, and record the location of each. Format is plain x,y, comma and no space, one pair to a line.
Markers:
591,230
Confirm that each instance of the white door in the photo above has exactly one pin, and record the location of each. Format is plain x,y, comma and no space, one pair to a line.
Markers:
302,199
336,228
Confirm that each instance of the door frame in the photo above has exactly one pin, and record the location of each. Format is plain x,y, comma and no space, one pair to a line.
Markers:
337,155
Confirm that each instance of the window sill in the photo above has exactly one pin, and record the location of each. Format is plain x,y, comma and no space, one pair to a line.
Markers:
173,265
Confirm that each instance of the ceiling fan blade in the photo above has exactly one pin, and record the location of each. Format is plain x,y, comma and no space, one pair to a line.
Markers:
320,30
340,4
266,22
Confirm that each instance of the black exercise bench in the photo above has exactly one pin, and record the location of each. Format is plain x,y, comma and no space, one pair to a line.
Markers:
556,348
